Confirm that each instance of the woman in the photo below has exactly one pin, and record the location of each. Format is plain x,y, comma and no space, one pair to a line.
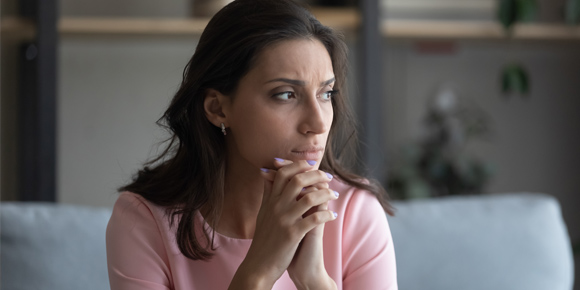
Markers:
249,193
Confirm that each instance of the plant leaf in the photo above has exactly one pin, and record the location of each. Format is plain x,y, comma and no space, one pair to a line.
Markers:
527,10
507,13
573,12
515,80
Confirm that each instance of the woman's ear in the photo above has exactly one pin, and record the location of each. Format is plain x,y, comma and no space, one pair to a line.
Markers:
213,105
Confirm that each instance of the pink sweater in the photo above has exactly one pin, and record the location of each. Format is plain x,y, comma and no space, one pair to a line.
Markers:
142,252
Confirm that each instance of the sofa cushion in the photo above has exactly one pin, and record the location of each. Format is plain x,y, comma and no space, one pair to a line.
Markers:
53,246
500,242
511,241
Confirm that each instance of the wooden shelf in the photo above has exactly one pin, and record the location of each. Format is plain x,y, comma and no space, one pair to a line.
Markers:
344,19
475,30
338,18
17,28
130,26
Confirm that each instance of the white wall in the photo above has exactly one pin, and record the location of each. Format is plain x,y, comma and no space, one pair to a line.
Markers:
111,92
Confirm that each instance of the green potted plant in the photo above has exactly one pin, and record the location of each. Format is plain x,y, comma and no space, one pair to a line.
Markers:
437,163
514,76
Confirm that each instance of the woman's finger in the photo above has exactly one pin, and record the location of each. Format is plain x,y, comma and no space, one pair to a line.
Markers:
271,173
267,186
316,219
279,162
288,172
314,187
300,181
314,200
268,174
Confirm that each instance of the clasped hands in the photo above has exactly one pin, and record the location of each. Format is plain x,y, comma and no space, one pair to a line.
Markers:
289,229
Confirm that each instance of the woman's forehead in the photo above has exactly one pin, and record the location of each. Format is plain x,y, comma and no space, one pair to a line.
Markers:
301,58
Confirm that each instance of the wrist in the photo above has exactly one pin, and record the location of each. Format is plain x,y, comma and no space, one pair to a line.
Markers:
246,278
318,283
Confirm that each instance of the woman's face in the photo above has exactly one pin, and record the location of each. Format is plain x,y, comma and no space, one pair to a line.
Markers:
282,106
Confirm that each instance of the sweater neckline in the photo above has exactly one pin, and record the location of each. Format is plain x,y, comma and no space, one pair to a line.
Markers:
218,234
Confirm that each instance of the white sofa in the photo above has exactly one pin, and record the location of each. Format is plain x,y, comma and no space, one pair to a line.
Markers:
499,242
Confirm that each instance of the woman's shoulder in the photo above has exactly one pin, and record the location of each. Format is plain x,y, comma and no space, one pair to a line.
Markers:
133,209
130,200
352,198
351,191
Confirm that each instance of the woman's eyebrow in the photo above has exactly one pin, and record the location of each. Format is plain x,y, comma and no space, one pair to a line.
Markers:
299,82
328,82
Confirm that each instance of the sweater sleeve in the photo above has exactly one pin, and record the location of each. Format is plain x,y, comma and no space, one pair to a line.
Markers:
136,254
368,252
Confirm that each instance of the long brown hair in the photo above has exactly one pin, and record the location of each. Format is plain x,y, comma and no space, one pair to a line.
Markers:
189,173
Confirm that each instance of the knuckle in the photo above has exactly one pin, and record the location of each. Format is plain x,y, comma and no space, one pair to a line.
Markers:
308,199
298,180
317,218
329,192
283,172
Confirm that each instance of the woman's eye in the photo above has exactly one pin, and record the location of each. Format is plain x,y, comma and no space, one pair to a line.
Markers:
284,95
328,95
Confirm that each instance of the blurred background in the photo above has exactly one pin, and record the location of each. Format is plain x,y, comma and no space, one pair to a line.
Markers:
473,96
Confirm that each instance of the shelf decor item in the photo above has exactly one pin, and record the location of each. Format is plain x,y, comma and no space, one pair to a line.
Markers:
515,80
437,164
573,12
439,9
207,8
512,11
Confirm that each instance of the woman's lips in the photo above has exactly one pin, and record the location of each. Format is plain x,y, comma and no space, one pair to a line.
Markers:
315,154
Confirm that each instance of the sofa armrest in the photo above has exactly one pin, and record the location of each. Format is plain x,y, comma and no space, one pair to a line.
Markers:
53,246
499,241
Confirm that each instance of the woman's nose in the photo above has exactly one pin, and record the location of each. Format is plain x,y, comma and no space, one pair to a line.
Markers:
315,118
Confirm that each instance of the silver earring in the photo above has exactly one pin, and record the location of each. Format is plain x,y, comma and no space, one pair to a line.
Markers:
223,129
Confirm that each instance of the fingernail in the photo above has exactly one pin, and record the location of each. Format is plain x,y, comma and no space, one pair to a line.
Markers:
264,169
311,162
329,175
304,188
336,194
334,214
279,159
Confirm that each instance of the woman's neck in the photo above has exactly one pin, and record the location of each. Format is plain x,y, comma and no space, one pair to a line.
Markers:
243,191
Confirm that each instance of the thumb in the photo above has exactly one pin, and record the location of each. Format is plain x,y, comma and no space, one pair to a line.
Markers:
267,187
